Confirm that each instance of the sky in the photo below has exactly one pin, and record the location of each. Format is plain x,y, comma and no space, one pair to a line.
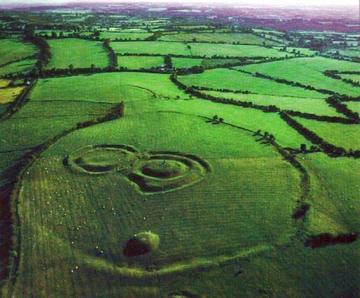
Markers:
325,3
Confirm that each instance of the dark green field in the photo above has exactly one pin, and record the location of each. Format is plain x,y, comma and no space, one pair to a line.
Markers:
170,158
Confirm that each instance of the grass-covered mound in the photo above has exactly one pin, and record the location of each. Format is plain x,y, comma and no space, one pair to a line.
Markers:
101,159
167,171
150,172
141,244
163,168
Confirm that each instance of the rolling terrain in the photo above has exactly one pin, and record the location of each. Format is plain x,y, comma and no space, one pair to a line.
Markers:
162,160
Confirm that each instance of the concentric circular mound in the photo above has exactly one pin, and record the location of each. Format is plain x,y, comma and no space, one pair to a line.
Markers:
150,172
102,159
141,244
167,171
161,168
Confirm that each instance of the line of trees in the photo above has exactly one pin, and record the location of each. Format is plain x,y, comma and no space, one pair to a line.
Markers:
262,58
111,53
335,102
332,119
70,71
44,55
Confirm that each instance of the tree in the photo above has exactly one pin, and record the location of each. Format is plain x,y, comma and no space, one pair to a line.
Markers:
29,31
168,61
71,67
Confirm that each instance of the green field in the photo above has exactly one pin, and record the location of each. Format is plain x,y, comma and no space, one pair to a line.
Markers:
234,80
12,50
78,52
354,106
125,35
243,38
25,65
345,136
351,52
315,106
195,49
186,62
353,77
107,87
138,62
335,184
308,71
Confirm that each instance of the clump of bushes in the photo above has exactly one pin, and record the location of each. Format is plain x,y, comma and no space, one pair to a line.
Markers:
141,243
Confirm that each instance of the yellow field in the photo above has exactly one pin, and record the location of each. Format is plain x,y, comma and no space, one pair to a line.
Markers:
4,83
9,94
